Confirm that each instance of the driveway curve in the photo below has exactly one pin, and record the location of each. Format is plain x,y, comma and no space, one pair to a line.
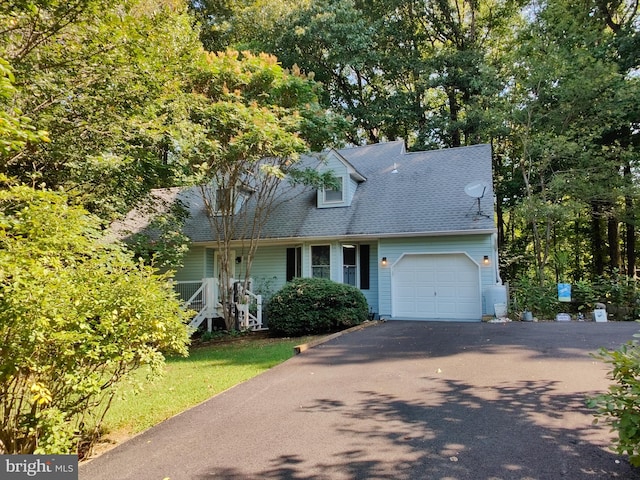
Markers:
400,400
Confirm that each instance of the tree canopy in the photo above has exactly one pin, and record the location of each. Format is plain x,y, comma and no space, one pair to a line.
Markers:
99,84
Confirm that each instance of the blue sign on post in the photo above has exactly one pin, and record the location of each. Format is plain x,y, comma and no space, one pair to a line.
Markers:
564,292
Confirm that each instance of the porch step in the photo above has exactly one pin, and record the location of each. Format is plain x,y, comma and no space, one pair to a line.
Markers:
203,297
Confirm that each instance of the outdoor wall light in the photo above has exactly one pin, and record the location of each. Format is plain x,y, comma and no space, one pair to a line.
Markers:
384,261
238,259
485,260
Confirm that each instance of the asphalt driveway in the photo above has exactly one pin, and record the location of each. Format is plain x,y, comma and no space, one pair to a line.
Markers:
400,400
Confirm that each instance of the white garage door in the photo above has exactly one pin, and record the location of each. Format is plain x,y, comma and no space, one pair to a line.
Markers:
436,286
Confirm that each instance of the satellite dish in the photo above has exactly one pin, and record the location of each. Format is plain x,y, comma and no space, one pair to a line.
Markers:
475,189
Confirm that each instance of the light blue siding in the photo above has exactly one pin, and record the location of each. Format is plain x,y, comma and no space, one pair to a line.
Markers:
238,263
194,267
352,185
200,263
336,262
209,256
269,270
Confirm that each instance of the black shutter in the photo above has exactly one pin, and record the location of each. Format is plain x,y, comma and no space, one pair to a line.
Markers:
364,267
291,263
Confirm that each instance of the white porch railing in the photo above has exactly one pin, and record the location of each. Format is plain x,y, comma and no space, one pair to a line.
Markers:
203,297
248,308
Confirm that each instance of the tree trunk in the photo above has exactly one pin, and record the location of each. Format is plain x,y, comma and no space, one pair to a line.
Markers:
630,223
500,223
453,116
497,167
631,249
597,239
577,248
613,237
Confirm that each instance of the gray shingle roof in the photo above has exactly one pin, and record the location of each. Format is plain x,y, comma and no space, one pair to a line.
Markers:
425,196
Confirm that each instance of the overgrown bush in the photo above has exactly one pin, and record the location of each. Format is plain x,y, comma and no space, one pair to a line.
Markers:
620,406
542,300
586,294
77,314
314,305
617,291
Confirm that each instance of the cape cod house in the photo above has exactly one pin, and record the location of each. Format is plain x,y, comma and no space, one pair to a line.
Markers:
414,231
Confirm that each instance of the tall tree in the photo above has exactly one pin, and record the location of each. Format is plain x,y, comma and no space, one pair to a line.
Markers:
463,48
100,85
577,104
240,24
250,120
334,40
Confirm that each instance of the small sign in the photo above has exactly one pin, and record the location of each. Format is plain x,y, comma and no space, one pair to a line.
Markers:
564,292
39,467
600,315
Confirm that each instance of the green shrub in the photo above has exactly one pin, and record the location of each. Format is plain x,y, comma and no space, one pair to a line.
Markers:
314,305
77,315
542,300
620,406
586,294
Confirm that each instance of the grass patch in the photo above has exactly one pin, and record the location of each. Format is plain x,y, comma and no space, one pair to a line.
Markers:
189,381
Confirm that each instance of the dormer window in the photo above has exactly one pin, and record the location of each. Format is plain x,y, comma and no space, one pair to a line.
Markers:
335,195
341,193
223,200
229,201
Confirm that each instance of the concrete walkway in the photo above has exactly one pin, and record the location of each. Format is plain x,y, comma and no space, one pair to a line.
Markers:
400,400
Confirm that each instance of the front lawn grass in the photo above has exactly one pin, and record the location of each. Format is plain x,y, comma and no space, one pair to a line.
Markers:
189,381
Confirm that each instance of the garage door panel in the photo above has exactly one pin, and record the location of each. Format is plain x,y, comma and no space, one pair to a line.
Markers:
447,309
446,277
428,307
465,305
467,291
446,291
407,296
406,280
436,286
424,277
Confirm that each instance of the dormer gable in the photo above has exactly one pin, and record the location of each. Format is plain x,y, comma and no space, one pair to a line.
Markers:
348,179
221,199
